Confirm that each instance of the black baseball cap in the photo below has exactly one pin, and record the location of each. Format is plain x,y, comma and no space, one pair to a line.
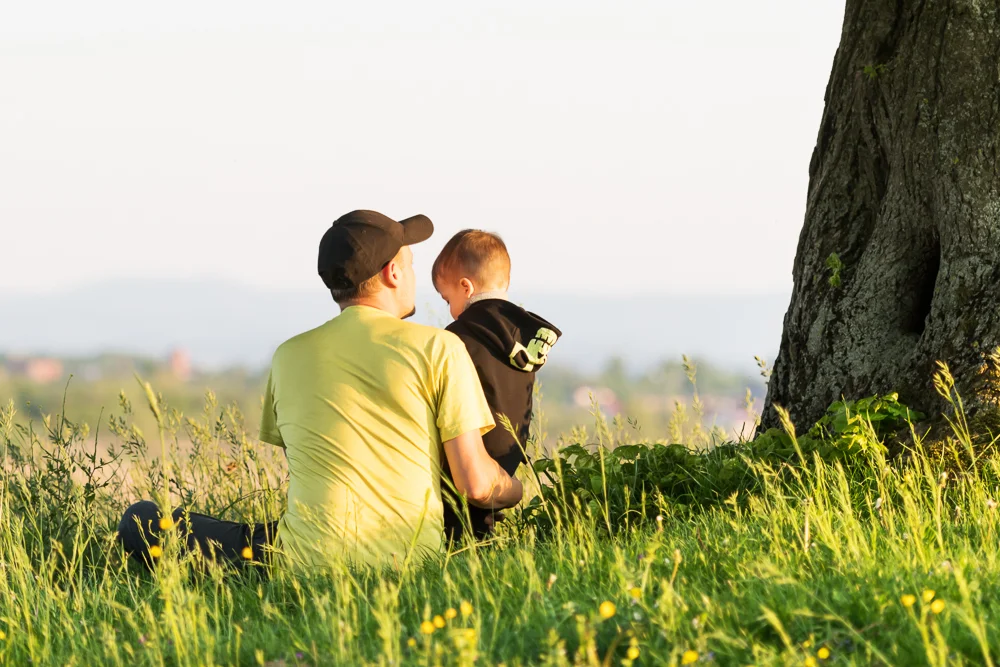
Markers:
359,244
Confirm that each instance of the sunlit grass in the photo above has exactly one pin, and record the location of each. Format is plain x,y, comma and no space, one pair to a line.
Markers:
806,570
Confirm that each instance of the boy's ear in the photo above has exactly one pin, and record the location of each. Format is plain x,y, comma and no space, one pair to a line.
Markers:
467,287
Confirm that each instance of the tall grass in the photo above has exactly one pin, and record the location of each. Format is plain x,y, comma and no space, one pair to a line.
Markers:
819,561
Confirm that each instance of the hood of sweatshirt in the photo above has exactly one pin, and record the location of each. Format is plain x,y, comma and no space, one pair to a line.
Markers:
511,333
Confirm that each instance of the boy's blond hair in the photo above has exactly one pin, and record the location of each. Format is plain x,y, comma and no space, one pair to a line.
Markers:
477,255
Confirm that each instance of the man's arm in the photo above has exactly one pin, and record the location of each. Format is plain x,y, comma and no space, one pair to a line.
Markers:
477,476
269,432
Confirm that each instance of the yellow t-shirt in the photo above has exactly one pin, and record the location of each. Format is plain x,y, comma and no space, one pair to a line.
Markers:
362,405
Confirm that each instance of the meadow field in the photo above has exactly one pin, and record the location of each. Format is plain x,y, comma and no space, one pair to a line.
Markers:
863,539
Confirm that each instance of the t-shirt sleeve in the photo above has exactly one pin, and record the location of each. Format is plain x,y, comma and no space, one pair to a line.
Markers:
461,405
268,417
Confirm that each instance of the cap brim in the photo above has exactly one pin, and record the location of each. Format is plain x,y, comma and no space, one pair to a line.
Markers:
416,229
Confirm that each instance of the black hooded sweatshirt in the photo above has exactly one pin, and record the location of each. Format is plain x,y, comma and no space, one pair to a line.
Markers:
508,345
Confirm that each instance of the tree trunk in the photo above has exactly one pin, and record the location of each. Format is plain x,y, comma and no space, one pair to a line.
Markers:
898,263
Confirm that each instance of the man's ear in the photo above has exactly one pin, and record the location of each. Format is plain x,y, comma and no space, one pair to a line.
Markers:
392,273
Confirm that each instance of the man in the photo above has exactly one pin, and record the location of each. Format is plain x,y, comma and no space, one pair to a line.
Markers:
365,405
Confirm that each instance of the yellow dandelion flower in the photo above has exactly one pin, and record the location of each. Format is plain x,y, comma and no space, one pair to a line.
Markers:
427,628
807,643
823,653
247,553
450,613
607,609
465,607
438,622
908,600
3,635
632,653
927,596
155,551
470,635
689,657
938,606
635,592
811,661
411,642
166,523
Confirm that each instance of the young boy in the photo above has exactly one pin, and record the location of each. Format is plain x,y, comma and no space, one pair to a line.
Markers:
507,345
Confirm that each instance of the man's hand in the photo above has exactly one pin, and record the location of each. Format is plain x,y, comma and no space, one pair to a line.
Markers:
477,476
493,518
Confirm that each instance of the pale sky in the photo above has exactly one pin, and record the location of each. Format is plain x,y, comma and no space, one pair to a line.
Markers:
658,146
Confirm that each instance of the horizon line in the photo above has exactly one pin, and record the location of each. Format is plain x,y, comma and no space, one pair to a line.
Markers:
201,281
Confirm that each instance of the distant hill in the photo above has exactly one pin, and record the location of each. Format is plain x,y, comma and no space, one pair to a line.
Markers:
225,325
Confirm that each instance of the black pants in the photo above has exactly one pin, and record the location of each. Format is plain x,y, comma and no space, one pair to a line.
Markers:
219,540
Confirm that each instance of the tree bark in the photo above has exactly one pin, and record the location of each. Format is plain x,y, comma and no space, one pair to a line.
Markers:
898,262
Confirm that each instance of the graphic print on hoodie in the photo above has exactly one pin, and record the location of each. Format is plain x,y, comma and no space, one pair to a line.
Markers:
508,345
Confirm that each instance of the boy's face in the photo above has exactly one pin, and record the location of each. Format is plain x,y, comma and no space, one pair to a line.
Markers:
456,293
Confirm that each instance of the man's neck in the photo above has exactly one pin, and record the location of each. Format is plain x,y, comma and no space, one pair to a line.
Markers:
385,305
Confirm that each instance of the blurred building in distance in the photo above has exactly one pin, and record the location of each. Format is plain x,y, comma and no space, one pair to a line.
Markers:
605,399
180,364
41,370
